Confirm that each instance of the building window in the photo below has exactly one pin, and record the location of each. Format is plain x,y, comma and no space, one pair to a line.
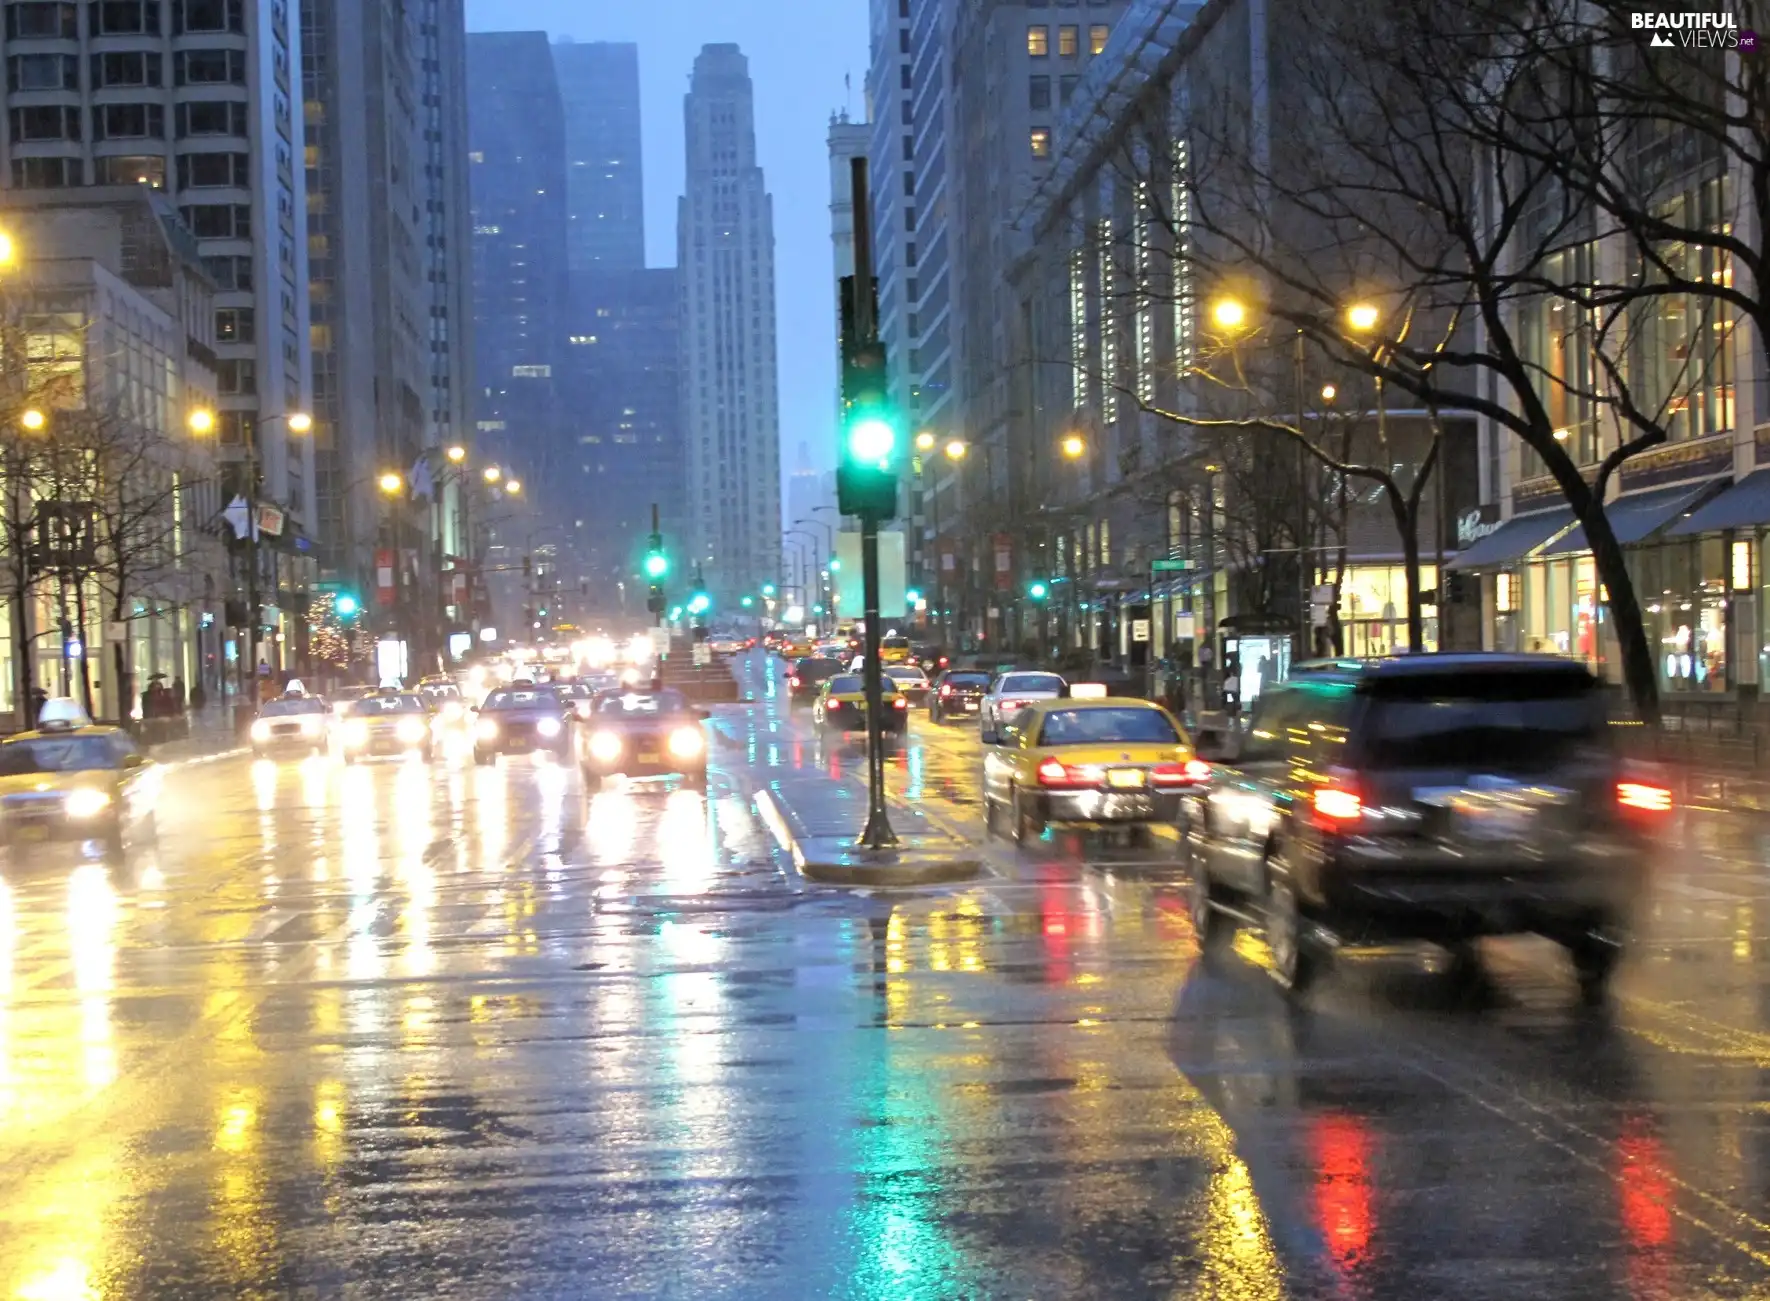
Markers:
1078,327
1109,338
219,220
1684,363
42,20
1038,93
1038,40
128,122
1142,259
209,68
133,169
531,372
1067,41
1041,142
233,273
125,68
236,377
47,122
44,173
1097,35
216,117
1180,260
235,325
208,16
1066,88
43,72
202,171
126,17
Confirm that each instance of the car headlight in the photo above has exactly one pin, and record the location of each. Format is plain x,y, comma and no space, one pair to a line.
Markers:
260,730
451,711
87,802
356,732
310,726
605,747
411,731
687,742
486,730
548,727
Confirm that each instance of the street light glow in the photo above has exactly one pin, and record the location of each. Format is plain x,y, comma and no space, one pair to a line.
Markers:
300,422
1362,317
513,487
1229,313
1073,446
493,474
8,250
925,441
33,419
390,483
457,453
201,421
1329,392
956,449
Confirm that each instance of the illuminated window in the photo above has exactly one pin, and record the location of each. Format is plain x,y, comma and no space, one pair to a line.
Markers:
1742,566
1109,341
1078,325
1505,596
1180,205
1067,42
1097,38
1041,142
1038,41
531,372
1145,315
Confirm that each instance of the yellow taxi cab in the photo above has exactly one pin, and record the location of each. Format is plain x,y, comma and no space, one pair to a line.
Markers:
841,706
797,647
1095,762
72,780
894,649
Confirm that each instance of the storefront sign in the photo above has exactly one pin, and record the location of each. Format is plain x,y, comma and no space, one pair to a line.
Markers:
1140,630
1476,524
1183,627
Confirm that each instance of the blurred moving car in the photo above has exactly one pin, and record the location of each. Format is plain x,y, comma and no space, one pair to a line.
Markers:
644,734
1010,692
894,649
808,675
389,723
442,696
910,680
725,644
957,693
841,706
519,720
1092,763
290,725
579,697
71,780
930,657
796,647
1438,798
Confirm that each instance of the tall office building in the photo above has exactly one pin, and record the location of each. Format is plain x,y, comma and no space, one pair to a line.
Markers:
725,255
388,269
194,97
605,196
516,144
847,141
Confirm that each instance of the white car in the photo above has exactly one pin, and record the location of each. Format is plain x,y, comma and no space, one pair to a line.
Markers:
1009,694
724,645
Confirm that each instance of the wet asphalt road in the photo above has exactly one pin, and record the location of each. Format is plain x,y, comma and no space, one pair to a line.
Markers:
410,1032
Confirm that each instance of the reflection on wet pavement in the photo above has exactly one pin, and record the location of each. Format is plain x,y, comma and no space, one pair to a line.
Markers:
406,1030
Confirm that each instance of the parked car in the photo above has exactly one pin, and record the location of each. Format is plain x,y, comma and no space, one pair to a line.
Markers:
1011,692
1438,798
808,675
957,693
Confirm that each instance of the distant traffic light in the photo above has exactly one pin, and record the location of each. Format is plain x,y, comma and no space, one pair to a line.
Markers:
346,605
747,602
768,589
1038,589
912,597
657,564
699,603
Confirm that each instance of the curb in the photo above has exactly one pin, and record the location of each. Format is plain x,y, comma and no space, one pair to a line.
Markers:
865,867
196,761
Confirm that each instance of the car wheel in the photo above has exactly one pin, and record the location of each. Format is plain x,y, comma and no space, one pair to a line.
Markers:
1595,955
1211,926
1028,825
989,819
1295,961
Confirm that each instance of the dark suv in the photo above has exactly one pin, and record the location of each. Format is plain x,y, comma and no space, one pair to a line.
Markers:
1428,797
808,675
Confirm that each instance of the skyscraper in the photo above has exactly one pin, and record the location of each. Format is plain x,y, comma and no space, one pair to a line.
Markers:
387,266
605,196
186,98
516,152
725,256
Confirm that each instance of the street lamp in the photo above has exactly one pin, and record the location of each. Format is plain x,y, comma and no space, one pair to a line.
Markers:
457,454
1073,446
925,441
201,421
390,483
956,449
1229,313
492,474
513,487
1363,317
1329,392
300,422
33,419
8,250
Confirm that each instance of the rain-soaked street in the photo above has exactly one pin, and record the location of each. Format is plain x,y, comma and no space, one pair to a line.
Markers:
409,1031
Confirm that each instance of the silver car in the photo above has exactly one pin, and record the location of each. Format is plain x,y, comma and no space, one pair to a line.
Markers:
1010,693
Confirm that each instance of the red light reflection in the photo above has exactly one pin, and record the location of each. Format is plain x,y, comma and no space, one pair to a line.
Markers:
1341,1145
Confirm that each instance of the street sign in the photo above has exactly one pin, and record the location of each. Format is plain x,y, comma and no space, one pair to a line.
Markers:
660,640
703,653
1170,566
1140,630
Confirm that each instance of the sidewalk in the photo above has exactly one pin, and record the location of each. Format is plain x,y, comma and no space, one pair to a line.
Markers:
816,818
211,737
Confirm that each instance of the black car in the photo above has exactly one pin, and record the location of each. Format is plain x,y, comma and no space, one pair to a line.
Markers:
1433,797
652,733
957,693
519,719
808,675
931,657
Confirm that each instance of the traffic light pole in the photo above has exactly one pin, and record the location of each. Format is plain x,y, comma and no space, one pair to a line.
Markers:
877,834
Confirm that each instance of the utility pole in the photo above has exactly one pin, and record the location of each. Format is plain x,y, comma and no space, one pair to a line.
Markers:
867,483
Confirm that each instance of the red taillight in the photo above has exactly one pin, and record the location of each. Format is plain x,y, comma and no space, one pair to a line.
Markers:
1054,772
1191,773
1644,797
793,682
943,661
946,689
1336,804
901,703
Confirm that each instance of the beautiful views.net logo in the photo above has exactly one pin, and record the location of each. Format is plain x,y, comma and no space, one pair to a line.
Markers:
1694,31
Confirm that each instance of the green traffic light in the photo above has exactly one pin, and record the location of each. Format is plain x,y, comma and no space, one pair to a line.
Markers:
835,565
657,565
871,439
913,596
699,603
768,589
748,602
675,614
1038,591
346,605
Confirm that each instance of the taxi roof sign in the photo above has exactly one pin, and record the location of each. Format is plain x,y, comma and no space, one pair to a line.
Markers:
1087,691
62,714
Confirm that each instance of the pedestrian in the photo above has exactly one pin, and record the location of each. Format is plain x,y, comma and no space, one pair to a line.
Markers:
199,697
39,698
178,696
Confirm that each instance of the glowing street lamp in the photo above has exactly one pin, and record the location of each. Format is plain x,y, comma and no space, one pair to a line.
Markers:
457,454
1073,446
33,419
492,474
925,441
300,422
390,483
201,421
1229,313
1363,317
513,487
956,449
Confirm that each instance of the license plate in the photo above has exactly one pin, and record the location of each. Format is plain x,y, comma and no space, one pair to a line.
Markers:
971,706
648,756
1126,806
1496,824
32,833
1125,778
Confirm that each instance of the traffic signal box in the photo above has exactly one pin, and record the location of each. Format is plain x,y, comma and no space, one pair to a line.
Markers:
867,468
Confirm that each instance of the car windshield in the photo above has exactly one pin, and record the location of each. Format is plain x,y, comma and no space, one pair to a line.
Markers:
636,703
1014,682
374,705
847,682
1488,722
895,643
1109,726
906,673
522,698
967,679
441,693
284,708
816,668
60,754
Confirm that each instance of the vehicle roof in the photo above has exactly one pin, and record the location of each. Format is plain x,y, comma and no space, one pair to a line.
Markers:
1094,702
37,734
1386,666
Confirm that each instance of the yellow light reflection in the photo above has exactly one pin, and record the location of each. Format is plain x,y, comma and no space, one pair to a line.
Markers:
92,919
264,784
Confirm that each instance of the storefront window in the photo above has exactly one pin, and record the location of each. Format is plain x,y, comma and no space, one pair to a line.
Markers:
1373,609
1562,610
1682,587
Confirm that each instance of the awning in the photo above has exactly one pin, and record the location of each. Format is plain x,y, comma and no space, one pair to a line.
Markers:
1744,504
1517,537
1637,517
